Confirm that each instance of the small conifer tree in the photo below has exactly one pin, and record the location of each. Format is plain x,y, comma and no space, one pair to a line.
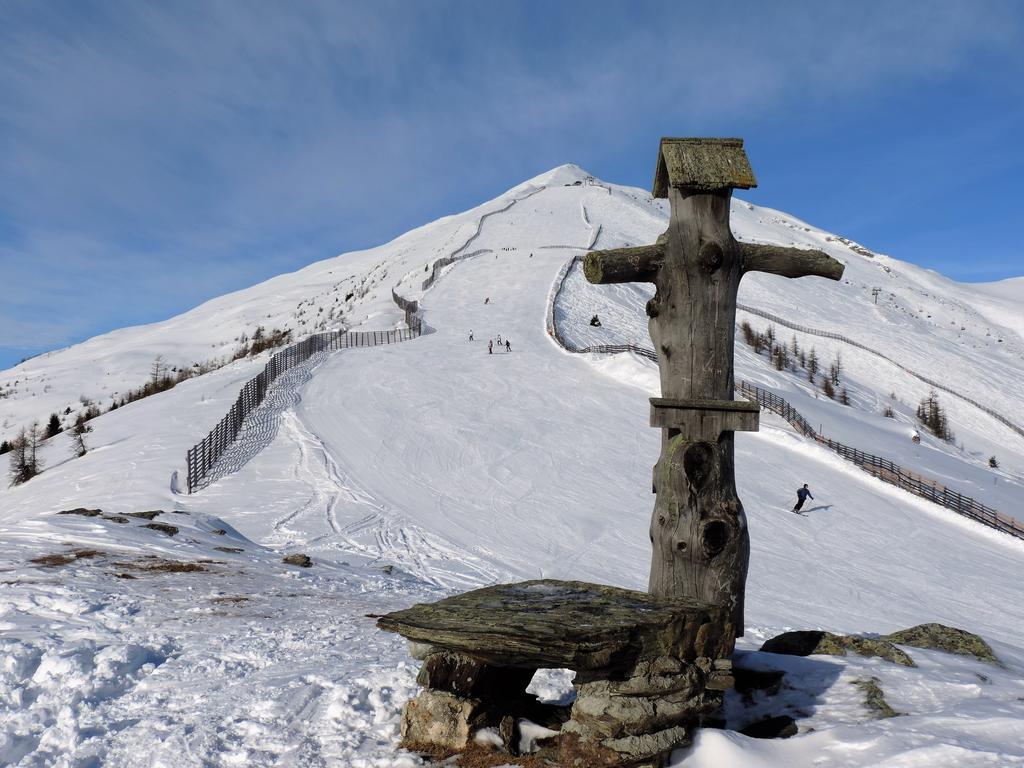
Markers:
78,433
932,415
24,461
157,371
749,335
812,364
835,371
17,459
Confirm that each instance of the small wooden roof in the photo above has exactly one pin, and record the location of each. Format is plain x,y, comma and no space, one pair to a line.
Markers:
702,164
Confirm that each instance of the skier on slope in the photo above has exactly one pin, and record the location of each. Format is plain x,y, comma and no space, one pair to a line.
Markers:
508,345
490,346
802,494
471,334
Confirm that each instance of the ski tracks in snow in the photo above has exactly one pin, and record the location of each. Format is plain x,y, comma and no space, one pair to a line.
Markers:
371,527
342,514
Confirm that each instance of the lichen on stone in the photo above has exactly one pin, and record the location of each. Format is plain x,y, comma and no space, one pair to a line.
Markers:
807,642
940,637
874,698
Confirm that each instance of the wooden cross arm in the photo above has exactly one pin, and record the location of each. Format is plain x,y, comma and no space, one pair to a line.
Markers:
625,265
789,262
641,264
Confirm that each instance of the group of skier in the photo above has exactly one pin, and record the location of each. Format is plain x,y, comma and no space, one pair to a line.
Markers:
490,343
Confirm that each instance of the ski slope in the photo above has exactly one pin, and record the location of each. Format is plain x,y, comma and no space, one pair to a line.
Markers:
412,470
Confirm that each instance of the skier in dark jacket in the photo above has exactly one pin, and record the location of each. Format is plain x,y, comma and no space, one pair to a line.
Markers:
508,345
802,494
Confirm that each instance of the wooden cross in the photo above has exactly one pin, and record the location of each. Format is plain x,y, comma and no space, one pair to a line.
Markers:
698,530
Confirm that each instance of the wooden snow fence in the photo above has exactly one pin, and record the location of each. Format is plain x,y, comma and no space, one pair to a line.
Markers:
886,470
880,467
201,457
846,340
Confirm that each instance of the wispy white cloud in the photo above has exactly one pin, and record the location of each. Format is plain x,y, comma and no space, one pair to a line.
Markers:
220,142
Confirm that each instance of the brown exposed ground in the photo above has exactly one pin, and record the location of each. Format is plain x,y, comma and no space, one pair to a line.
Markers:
63,558
154,564
480,756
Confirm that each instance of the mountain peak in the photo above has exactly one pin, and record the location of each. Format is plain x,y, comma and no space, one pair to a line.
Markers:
560,174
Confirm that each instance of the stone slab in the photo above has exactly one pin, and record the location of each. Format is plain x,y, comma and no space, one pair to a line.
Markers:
565,624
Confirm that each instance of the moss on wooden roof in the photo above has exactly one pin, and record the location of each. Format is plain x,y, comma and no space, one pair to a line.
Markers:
702,164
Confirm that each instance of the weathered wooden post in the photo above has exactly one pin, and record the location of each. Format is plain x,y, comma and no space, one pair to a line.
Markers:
699,530
649,666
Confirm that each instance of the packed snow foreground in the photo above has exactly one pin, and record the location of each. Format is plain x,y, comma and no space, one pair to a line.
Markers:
409,472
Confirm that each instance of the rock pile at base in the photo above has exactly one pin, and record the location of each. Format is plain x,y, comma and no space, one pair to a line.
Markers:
647,669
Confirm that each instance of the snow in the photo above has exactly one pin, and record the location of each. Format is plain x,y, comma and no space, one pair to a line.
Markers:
414,470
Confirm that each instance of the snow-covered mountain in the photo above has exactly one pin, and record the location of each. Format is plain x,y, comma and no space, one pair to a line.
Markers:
410,470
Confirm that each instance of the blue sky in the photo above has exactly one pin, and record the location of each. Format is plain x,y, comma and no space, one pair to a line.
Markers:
155,155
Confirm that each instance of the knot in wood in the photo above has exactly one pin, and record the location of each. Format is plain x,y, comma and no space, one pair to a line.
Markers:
714,537
711,256
698,464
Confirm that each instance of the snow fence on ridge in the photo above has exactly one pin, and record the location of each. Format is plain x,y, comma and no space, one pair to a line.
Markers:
461,252
884,469
838,337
